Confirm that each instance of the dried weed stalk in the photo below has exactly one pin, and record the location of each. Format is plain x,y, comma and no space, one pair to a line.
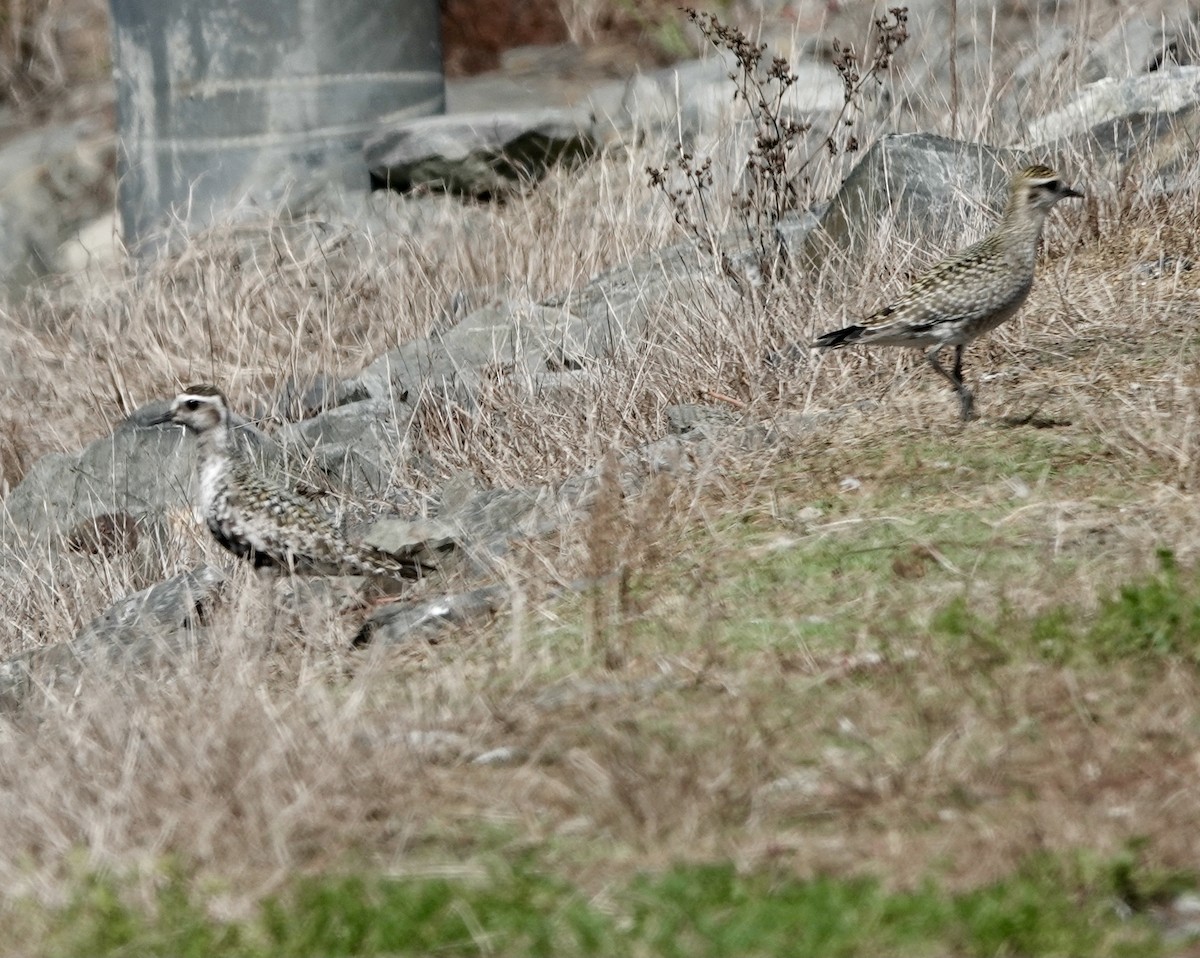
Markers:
775,162
622,537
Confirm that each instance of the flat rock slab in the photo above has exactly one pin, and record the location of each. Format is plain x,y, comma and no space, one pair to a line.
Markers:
1151,121
1108,100
477,154
427,619
524,337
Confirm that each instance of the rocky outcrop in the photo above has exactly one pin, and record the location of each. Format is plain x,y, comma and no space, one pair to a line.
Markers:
1110,100
1154,118
137,471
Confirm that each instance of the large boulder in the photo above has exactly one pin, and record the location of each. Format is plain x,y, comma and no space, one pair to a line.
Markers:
1110,100
520,337
140,470
354,443
920,186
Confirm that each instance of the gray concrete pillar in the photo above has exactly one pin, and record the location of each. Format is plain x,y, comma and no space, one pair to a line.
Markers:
222,103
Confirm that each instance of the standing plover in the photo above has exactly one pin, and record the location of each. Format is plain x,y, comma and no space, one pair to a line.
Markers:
971,292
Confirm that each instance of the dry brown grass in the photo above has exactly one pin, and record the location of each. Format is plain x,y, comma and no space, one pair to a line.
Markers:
48,48
694,704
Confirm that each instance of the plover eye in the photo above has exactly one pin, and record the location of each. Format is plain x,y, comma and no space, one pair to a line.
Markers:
192,405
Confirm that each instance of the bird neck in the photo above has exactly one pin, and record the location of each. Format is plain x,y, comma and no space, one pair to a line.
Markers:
1023,221
213,463
214,443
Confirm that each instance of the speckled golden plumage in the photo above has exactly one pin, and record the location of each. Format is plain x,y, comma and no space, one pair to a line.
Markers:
972,291
259,519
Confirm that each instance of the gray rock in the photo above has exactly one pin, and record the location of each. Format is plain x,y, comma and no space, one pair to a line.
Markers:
496,517
605,106
437,540
457,493
397,535
52,181
1133,46
136,470
568,333
299,399
354,444
483,523
793,230
923,184
1106,101
1162,145
696,418
619,306
1152,121
427,619
751,262
520,337
155,622
481,154
134,625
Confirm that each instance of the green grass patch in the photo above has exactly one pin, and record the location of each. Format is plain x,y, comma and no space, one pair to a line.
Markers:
931,546
791,559
1153,618
879,577
1051,907
1157,616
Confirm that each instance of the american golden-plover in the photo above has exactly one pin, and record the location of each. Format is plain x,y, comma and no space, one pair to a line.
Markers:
260,520
970,292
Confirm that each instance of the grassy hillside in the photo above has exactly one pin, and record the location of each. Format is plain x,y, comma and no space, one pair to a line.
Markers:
872,682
